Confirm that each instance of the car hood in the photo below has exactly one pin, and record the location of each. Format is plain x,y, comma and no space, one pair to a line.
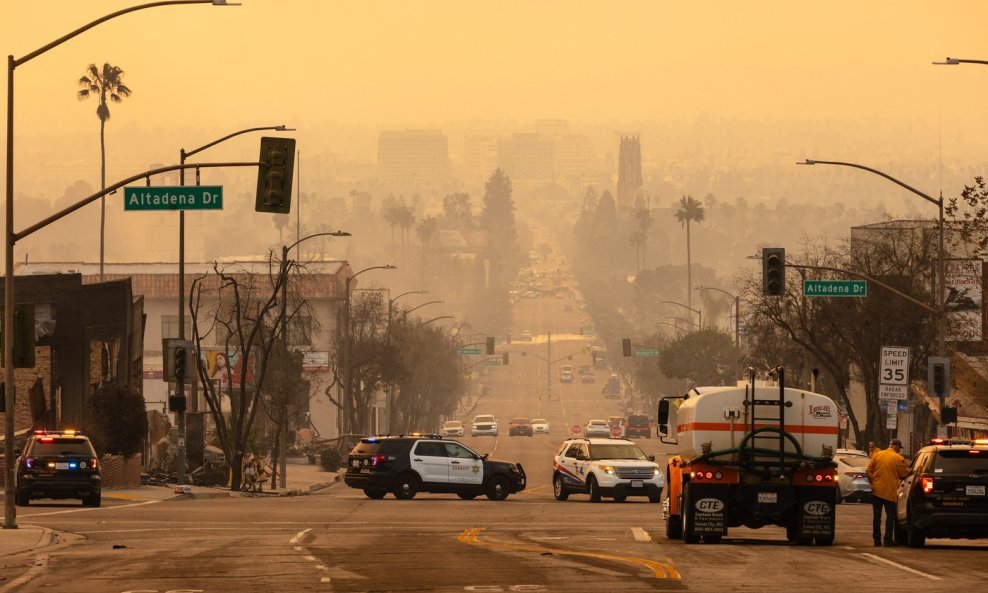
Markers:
627,462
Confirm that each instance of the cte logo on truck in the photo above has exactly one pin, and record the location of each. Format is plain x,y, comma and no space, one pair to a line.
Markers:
816,508
709,505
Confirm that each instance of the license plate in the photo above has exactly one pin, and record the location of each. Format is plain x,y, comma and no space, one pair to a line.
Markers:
61,466
974,490
768,497
637,484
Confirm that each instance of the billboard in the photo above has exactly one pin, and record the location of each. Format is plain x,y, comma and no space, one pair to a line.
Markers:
964,300
225,367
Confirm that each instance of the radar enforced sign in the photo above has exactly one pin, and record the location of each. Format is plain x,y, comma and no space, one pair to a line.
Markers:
893,382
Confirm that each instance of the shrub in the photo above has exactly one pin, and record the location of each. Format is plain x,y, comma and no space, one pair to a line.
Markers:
118,420
330,460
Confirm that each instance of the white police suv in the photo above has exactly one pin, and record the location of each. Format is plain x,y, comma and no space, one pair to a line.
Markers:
615,468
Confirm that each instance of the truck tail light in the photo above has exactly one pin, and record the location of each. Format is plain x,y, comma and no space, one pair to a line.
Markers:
927,483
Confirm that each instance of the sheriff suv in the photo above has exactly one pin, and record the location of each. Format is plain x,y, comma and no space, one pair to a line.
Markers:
616,468
58,465
945,495
407,465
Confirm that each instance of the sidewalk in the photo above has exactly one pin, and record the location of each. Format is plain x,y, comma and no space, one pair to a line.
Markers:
302,480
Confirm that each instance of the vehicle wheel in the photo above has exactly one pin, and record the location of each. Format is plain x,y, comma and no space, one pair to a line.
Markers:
685,502
559,489
792,532
498,487
593,489
620,498
406,486
91,501
674,527
22,500
899,534
915,537
375,493
467,495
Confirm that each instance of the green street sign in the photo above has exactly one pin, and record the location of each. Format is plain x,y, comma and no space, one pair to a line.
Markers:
193,197
642,352
835,288
467,351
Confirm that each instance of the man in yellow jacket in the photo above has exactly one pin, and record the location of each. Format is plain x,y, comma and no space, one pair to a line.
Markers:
885,469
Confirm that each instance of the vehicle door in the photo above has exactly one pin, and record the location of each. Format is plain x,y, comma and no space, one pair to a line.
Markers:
905,485
429,460
465,467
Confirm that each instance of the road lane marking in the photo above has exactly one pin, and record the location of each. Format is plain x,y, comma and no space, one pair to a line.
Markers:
87,509
40,564
325,580
640,534
529,490
310,558
300,536
661,570
900,566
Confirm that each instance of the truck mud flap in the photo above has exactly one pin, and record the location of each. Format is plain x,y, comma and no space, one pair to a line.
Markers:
707,507
817,513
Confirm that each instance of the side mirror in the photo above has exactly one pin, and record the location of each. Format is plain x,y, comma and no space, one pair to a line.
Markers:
484,456
651,457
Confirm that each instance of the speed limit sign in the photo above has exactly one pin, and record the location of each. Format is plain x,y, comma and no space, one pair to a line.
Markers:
895,365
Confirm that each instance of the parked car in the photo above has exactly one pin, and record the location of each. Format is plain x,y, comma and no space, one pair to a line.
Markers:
605,467
58,465
526,336
540,426
483,424
852,481
452,428
946,495
565,377
597,428
520,427
588,378
638,426
407,465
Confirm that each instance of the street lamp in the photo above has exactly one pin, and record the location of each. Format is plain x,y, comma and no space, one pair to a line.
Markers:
405,313
956,61
180,381
437,319
10,510
737,320
347,338
941,270
697,311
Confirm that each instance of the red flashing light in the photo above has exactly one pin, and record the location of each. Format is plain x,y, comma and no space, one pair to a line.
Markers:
974,452
927,483
937,441
376,460
828,478
47,440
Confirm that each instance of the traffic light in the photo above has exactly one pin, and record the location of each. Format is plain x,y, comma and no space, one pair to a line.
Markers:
504,359
275,169
773,271
626,346
490,345
180,357
939,376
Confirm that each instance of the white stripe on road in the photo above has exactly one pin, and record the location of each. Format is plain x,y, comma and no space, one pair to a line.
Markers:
640,534
87,509
900,566
299,536
40,564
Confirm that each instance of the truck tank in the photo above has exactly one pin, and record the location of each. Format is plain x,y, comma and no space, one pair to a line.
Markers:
715,419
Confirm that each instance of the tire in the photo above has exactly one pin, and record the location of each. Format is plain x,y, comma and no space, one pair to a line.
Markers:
558,488
674,527
915,537
375,493
899,534
688,535
593,489
406,486
498,487
467,495
791,533
620,498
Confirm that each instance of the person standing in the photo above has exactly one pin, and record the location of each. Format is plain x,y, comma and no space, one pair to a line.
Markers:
884,470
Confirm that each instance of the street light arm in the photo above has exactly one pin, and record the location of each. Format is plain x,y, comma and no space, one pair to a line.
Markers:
422,305
733,296
285,250
103,19
955,61
438,318
278,128
938,202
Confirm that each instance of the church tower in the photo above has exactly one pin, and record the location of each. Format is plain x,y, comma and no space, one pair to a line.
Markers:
629,171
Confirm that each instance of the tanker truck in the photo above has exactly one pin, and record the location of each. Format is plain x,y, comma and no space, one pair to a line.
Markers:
750,455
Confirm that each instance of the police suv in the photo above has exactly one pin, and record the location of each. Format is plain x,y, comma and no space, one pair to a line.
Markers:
408,464
616,468
58,465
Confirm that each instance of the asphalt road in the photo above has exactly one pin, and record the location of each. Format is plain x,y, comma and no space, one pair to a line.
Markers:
338,540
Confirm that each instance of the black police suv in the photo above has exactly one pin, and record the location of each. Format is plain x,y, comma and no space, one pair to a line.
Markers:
58,465
945,496
407,465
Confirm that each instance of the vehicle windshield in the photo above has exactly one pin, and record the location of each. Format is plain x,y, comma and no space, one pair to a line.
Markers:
854,460
62,446
617,451
453,424
637,419
539,421
484,419
598,423
961,461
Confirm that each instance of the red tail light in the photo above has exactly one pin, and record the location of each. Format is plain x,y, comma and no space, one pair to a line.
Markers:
93,463
47,439
376,460
927,484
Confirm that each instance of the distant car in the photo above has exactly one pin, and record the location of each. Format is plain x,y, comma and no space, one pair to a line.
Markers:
585,369
597,428
588,378
540,426
946,493
567,368
605,467
638,426
852,481
452,428
483,424
565,377
526,336
520,427
58,465
618,422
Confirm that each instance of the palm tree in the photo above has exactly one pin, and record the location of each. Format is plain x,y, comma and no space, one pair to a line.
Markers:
689,210
104,84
